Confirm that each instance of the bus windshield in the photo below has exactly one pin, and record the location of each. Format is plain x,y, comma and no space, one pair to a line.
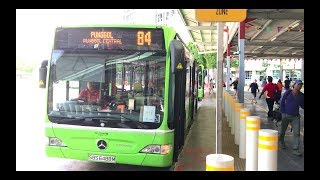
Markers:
120,89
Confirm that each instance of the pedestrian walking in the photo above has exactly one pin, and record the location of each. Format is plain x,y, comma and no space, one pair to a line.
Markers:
271,90
235,87
289,106
254,88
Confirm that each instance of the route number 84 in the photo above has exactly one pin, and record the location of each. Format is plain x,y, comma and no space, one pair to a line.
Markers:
143,38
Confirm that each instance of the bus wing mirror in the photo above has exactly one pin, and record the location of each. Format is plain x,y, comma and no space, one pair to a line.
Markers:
43,74
177,56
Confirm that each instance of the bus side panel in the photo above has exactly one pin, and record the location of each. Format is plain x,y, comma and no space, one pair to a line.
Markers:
159,160
200,93
48,130
188,117
52,151
120,141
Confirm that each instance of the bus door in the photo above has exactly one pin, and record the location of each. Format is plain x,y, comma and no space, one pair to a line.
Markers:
177,94
193,97
196,67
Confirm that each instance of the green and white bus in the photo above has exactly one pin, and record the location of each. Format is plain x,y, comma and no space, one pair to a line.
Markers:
202,73
147,84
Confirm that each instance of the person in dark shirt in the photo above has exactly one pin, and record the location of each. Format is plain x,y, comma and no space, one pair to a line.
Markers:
211,86
289,106
287,83
254,88
235,87
271,90
278,93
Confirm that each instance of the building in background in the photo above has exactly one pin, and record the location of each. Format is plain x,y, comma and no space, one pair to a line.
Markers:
164,17
258,69
139,16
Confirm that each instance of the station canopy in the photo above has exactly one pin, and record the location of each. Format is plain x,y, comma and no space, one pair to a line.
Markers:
203,34
269,33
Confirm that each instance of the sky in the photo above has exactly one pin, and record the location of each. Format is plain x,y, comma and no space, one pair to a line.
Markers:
35,27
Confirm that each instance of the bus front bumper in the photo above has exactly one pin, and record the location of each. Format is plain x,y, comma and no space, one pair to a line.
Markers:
140,159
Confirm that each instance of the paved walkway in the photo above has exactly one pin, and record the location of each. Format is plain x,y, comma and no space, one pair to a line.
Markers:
286,160
201,139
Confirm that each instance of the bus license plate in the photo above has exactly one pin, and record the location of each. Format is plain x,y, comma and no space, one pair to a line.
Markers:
109,159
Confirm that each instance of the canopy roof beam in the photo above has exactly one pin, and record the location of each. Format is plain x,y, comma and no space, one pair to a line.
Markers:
276,15
274,55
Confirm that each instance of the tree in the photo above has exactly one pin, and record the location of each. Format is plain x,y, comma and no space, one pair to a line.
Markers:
211,59
199,57
26,66
292,73
276,66
234,63
265,65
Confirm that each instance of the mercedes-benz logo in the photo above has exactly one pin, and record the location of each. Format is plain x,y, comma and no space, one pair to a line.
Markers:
102,144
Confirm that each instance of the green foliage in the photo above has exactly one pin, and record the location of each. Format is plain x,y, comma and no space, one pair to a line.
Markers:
292,72
276,65
234,63
25,66
119,67
199,57
211,60
265,65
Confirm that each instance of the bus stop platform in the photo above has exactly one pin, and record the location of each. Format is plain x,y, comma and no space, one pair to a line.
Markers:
201,139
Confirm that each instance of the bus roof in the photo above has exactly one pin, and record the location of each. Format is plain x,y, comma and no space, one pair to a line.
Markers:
117,25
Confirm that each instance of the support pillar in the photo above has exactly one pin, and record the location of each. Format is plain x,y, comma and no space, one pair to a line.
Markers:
302,70
241,62
281,70
228,67
219,88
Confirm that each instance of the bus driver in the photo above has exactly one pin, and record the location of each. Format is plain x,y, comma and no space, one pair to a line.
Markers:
89,94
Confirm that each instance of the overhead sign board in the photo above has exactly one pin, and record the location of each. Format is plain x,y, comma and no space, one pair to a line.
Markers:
107,38
221,15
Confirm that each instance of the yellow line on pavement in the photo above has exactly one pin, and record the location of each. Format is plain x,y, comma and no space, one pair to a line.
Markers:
258,106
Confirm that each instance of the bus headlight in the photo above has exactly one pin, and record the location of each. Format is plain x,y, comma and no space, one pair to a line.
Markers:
157,149
56,142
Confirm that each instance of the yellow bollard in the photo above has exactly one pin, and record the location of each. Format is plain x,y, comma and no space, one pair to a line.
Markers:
237,108
219,162
233,101
242,146
252,128
268,150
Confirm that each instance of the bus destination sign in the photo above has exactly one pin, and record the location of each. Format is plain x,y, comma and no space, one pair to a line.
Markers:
110,39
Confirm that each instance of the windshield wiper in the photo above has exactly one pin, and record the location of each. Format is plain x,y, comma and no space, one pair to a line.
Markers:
111,117
119,120
106,112
139,124
130,117
62,119
105,118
